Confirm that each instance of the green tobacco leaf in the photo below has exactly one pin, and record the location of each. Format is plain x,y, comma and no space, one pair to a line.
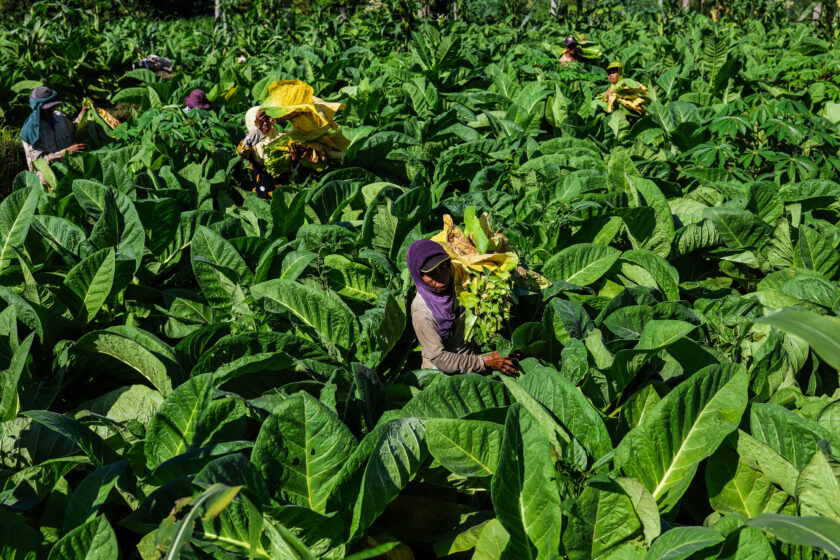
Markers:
119,349
524,492
735,487
388,222
88,284
457,396
16,212
217,266
93,446
580,264
465,447
684,428
820,332
178,425
94,540
91,493
649,269
492,542
568,405
818,487
395,460
300,449
682,542
317,310
9,379
818,532
295,263
739,229
794,437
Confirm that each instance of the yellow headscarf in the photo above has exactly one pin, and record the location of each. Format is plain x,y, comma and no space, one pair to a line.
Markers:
251,125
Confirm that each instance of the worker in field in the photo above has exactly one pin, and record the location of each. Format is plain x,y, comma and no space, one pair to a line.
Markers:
627,93
48,134
261,132
438,317
196,99
583,50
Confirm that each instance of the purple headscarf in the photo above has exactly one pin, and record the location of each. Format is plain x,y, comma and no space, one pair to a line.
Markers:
443,306
197,99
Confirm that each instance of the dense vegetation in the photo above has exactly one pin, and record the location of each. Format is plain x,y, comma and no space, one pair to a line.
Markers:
189,370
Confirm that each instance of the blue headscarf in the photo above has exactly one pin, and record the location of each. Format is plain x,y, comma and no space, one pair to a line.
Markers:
31,131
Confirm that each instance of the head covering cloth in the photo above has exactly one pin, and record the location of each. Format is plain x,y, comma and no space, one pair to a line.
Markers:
251,126
31,130
443,306
197,99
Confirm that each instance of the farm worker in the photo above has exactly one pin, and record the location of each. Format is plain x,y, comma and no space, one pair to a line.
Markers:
438,318
48,134
261,132
630,94
579,51
197,99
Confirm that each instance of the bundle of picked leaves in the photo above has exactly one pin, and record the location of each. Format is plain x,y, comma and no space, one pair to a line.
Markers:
485,270
314,139
629,94
95,126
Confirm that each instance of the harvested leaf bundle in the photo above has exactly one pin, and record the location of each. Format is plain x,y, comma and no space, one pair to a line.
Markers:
95,126
314,139
628,93
484,269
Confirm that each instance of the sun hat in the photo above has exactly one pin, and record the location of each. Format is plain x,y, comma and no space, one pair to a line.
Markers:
41,92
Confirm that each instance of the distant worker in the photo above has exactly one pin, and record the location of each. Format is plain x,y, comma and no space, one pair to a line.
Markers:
154,63
261,132
48,134
629,94
197,99
582,50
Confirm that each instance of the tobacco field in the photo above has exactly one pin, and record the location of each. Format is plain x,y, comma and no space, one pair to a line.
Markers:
187,371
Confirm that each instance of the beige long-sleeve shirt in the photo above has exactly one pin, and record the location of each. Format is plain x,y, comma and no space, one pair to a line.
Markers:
452,355
53,142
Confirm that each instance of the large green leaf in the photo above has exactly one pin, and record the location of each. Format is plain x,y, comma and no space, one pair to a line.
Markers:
9,379
820,332
89,283
217,266
684,428
682,542
568,405
16,211
818,532
94,540
394,461
794,437
606,518
179,423
91,493
465,447
525,495
818,487
457,396
316,309
580,264
301,448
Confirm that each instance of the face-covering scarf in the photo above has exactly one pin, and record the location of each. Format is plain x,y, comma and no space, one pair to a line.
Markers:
251,125
443,306
31,131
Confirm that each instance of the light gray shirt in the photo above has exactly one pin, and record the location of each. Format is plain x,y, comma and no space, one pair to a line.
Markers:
452,355
53,142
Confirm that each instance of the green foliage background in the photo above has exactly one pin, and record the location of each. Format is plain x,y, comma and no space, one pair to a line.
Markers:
188,371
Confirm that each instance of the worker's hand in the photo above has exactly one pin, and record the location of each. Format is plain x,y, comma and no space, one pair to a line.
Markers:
85,109
264,122
77,148
497,362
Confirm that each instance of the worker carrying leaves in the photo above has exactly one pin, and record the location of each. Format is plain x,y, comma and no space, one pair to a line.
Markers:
312,142
628,93
439,318
580,50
